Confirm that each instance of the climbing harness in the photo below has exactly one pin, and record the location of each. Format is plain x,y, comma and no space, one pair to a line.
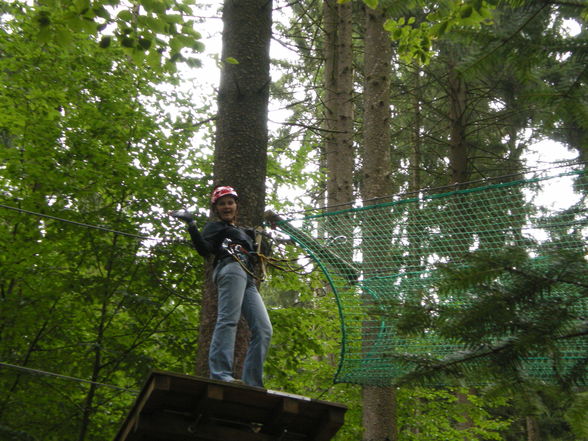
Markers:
262,252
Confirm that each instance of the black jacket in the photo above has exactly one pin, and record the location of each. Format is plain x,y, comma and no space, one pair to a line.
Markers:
210,241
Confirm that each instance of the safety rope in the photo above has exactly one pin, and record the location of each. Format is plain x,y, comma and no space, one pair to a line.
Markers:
65,377
282,264
80,224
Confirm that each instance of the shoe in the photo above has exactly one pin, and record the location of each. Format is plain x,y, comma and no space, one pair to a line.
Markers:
237,381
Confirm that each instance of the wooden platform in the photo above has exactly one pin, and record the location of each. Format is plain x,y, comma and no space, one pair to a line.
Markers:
174,407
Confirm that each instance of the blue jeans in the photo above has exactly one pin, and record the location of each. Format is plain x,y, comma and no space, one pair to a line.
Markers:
237,294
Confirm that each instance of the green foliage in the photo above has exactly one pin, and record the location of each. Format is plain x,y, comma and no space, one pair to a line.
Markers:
415,38
7,434
305,343
83,136
505,307
449,414
82,141
413,42
308,328
576,415
152,31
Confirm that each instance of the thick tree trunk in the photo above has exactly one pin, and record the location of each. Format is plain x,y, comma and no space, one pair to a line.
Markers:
240,155
338,102
379,414
379,403
376,124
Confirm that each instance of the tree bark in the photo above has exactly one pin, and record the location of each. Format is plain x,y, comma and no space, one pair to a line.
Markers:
240,155
338,102
458,151
379,403
458,148
532,429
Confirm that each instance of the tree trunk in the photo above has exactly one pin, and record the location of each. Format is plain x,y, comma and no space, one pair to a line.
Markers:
415,174
379,413
458,152
532,429
376,123
240,155
379,403
338,102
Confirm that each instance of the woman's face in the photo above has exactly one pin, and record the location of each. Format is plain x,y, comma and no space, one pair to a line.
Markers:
226,208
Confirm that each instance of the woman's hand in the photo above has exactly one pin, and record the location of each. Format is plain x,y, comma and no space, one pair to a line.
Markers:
184,215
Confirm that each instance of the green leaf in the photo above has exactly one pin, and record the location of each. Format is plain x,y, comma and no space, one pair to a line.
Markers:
156,6
576,416
125,15
174,18
82,5
372,4
441,28
188,29
198,46
101,12
144,43
105,41
153,24
390,25
138,56
43,18
153,59
231,60
44,35
176,44
194,62
63,37
127,42
466,11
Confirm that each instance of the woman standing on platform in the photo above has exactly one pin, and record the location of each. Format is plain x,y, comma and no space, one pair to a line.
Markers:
234,260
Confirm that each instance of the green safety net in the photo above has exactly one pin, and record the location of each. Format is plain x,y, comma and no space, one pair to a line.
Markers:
382,253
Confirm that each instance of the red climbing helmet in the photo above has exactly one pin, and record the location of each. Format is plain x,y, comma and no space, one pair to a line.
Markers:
219,192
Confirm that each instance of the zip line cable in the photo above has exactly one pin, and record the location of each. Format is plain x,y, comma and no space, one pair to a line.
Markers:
271,261
97,227
562,164
65,377
81,224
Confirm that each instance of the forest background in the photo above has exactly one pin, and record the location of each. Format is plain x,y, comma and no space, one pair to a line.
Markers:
98,128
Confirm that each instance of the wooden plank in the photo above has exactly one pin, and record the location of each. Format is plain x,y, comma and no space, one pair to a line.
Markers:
170,427
328,426
176,407
141,401
208,404
284,415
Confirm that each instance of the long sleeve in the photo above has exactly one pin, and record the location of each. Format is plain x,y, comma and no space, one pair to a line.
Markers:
204,248
210,240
